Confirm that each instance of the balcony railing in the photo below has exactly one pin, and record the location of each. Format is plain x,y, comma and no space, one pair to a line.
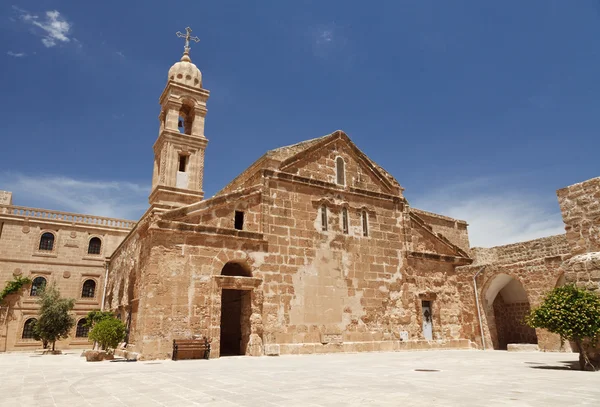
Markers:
74,218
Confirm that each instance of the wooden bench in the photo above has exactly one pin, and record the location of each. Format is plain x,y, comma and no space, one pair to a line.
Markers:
191,349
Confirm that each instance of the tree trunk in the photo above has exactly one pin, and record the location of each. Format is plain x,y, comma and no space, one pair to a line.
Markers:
584,360
53,343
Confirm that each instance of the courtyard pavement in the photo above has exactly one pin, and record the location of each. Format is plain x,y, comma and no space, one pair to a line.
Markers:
429,378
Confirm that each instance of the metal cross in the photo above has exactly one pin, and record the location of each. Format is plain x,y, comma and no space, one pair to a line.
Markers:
188,37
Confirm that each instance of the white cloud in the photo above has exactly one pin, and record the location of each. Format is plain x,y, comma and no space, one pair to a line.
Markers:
112,199
55,28
329,40
16,54
325,36
497,215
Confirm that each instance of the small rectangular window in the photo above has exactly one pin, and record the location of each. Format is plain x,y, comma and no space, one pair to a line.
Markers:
345,221
324,218
239,220
182,163
365,223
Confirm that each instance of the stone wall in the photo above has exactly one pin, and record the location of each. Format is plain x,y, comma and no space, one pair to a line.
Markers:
550,246
452,229
580,207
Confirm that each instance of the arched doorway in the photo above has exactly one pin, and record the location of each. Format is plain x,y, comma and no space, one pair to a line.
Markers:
507,305
236,308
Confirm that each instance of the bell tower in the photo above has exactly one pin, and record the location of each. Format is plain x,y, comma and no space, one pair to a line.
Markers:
179,149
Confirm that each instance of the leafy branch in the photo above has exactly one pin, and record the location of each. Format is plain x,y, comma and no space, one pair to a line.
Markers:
14,286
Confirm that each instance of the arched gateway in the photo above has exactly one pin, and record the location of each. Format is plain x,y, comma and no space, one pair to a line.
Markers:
506,305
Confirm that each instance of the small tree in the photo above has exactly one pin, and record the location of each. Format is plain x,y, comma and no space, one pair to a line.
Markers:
574,314
54,321
93,317
108,332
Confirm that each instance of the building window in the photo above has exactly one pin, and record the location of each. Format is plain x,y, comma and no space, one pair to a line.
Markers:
323,218
47,241
365,223
28,328
82,330
95,245
339,169
38,284
345,220
89,289
182,163
239,220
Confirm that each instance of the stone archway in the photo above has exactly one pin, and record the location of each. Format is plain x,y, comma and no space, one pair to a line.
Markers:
506,305
236,306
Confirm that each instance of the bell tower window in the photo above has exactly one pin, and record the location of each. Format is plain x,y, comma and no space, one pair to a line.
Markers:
186,118
182,162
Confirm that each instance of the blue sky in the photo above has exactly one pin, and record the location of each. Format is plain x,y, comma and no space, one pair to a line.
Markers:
481,110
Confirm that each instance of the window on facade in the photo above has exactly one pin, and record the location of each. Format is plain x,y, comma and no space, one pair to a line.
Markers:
345,220
28,328
89,289
339,168
365,223
38,284
182,163
323,217
239,220
82,330
47,241
95,245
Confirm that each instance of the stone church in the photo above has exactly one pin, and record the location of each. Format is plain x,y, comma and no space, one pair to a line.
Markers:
311,249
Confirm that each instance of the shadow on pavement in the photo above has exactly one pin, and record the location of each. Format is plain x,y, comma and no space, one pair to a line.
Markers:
567,365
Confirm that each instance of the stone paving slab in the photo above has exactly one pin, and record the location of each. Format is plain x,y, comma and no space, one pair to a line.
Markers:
459,378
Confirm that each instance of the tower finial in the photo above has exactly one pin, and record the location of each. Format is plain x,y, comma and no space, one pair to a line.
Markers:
188,37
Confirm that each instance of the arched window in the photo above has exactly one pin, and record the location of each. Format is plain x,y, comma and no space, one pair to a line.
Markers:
28,328
82,330
323,217
345,220
95,245
47,241
365,223
339,169
38,284
89,289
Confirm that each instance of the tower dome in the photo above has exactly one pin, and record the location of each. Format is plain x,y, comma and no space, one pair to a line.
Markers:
186,73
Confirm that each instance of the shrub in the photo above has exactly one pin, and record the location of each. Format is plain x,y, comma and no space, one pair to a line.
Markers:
574,314
108,332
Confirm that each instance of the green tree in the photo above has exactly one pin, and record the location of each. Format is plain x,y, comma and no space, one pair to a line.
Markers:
93,317
574,314
108,332
54,321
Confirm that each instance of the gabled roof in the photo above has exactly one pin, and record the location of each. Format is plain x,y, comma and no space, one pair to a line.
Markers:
282,157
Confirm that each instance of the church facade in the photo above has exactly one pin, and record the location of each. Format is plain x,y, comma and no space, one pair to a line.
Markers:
312,249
